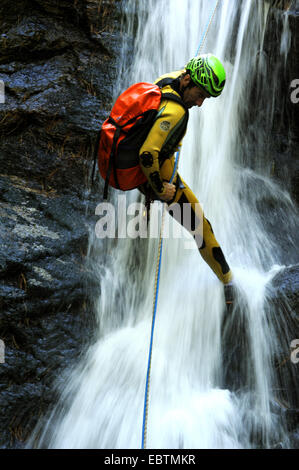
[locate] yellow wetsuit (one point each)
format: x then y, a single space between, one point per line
157 162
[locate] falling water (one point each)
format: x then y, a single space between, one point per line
212 382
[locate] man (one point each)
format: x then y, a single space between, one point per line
204 77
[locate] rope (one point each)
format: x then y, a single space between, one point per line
206 30
158 272
156 292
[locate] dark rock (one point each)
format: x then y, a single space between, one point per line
282 300
286 413
294 439
286 285
279 148
58 67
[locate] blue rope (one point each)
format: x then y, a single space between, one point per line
153 321
206 29
150 349
175 165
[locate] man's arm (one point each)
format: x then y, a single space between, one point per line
171 115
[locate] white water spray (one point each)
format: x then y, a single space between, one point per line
199 396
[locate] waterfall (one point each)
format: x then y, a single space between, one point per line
212 383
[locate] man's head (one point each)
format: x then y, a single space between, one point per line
205 77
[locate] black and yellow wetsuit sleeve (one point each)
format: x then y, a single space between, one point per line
169 119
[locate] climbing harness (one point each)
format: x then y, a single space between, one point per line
158 269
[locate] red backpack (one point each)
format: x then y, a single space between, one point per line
124 131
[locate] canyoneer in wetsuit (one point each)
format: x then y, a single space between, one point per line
203 77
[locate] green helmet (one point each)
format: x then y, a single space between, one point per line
208 73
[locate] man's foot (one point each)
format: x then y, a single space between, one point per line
229 293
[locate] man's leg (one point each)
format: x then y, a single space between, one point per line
201 230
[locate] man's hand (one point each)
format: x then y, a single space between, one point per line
169 192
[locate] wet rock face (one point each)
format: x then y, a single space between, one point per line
58 79
283 148
282 294
58 62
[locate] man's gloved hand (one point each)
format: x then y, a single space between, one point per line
169 192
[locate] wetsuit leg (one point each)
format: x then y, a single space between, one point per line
189 214
192 218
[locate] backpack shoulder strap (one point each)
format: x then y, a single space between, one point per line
173 97
164 82
170 96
